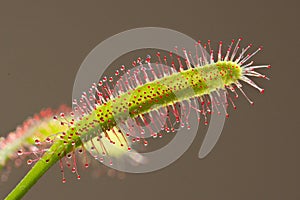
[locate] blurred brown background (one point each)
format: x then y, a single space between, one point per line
258 155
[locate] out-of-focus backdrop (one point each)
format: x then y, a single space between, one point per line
258 155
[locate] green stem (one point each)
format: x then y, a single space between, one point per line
38 170
56 151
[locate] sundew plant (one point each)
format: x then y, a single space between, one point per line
117 111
